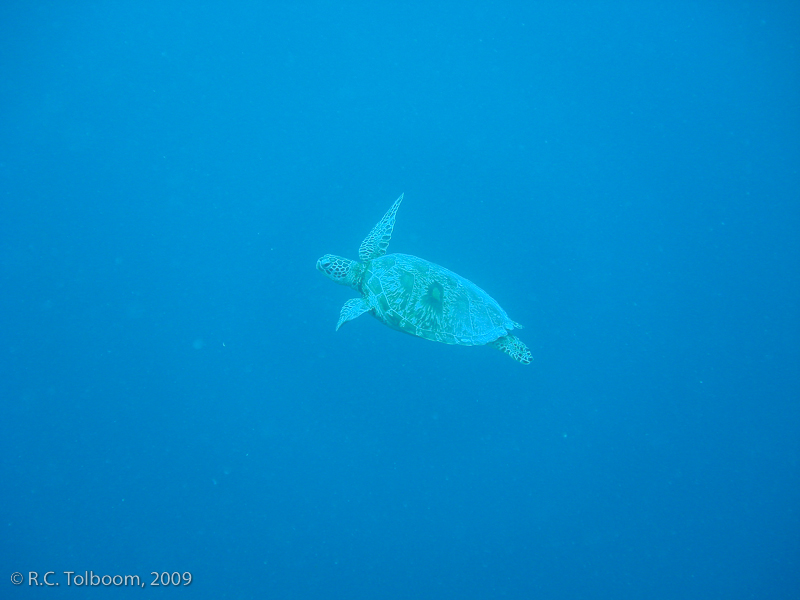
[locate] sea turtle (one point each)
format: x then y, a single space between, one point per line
418 297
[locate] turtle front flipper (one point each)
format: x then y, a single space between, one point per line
376 243
352 309
514 347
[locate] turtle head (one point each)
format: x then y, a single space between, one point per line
341 270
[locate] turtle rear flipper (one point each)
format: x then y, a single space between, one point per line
514 347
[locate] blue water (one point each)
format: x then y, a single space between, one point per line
624 178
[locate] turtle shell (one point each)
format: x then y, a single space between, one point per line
419 297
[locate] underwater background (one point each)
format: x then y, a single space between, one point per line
622 177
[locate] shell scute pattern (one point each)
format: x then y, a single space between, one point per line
418 297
